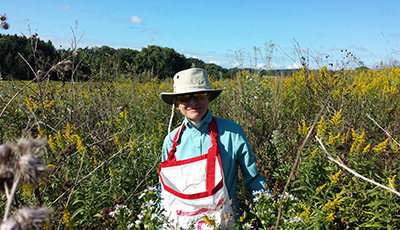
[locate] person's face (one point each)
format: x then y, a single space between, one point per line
194 110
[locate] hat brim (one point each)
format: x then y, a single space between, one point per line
169 97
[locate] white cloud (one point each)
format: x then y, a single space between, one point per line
215 62
235 64
136 19
65 7
295 65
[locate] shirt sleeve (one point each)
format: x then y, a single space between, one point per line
247 161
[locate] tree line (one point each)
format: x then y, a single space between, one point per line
103 62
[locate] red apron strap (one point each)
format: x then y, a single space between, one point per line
212 153
171 155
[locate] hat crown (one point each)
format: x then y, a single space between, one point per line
191 80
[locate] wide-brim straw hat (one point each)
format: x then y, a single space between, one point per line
194 80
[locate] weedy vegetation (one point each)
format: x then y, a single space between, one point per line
98 169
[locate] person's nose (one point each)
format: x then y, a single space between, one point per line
193 101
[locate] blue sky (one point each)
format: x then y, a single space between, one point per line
213 30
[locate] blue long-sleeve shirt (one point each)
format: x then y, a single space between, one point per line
234 150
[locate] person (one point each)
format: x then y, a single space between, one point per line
203 146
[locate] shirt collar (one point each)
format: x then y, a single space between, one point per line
207 119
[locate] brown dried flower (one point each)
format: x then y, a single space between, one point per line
32 218
31 146
5 154
5 25
3 18
6 176
61 66
33 36
75 53
31 169
10 225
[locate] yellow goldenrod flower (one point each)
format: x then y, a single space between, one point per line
381 146
335 178
95 164
331 205
330 217
334 140
27 192
41 132
319 189
359 141
321 128
67 220
210 221
59 140
30 104
68 130
337 119
79 144
367 148
392 185
312 156
52 144
116 140
305 215
47 104
303 129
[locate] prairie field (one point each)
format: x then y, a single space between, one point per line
104 140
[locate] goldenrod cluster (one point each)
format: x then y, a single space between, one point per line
321 128
305 215
67 220
381 146
392 185
303 129
335 178
336 140
331 205
359 141
337 119
319 189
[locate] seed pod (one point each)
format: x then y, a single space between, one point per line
5 154
5 25
10 225
32 218
33 36
32 169
3 18
75 53
31 147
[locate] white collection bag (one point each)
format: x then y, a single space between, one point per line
194 188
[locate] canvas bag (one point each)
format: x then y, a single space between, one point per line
195 187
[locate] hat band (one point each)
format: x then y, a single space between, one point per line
192 88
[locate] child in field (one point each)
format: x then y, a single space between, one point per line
200 159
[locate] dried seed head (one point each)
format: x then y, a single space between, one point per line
33 36
67 68
10 225
6 177
3 18
5 25
32 218
39 72
31 169
5 154
31 146
75 53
